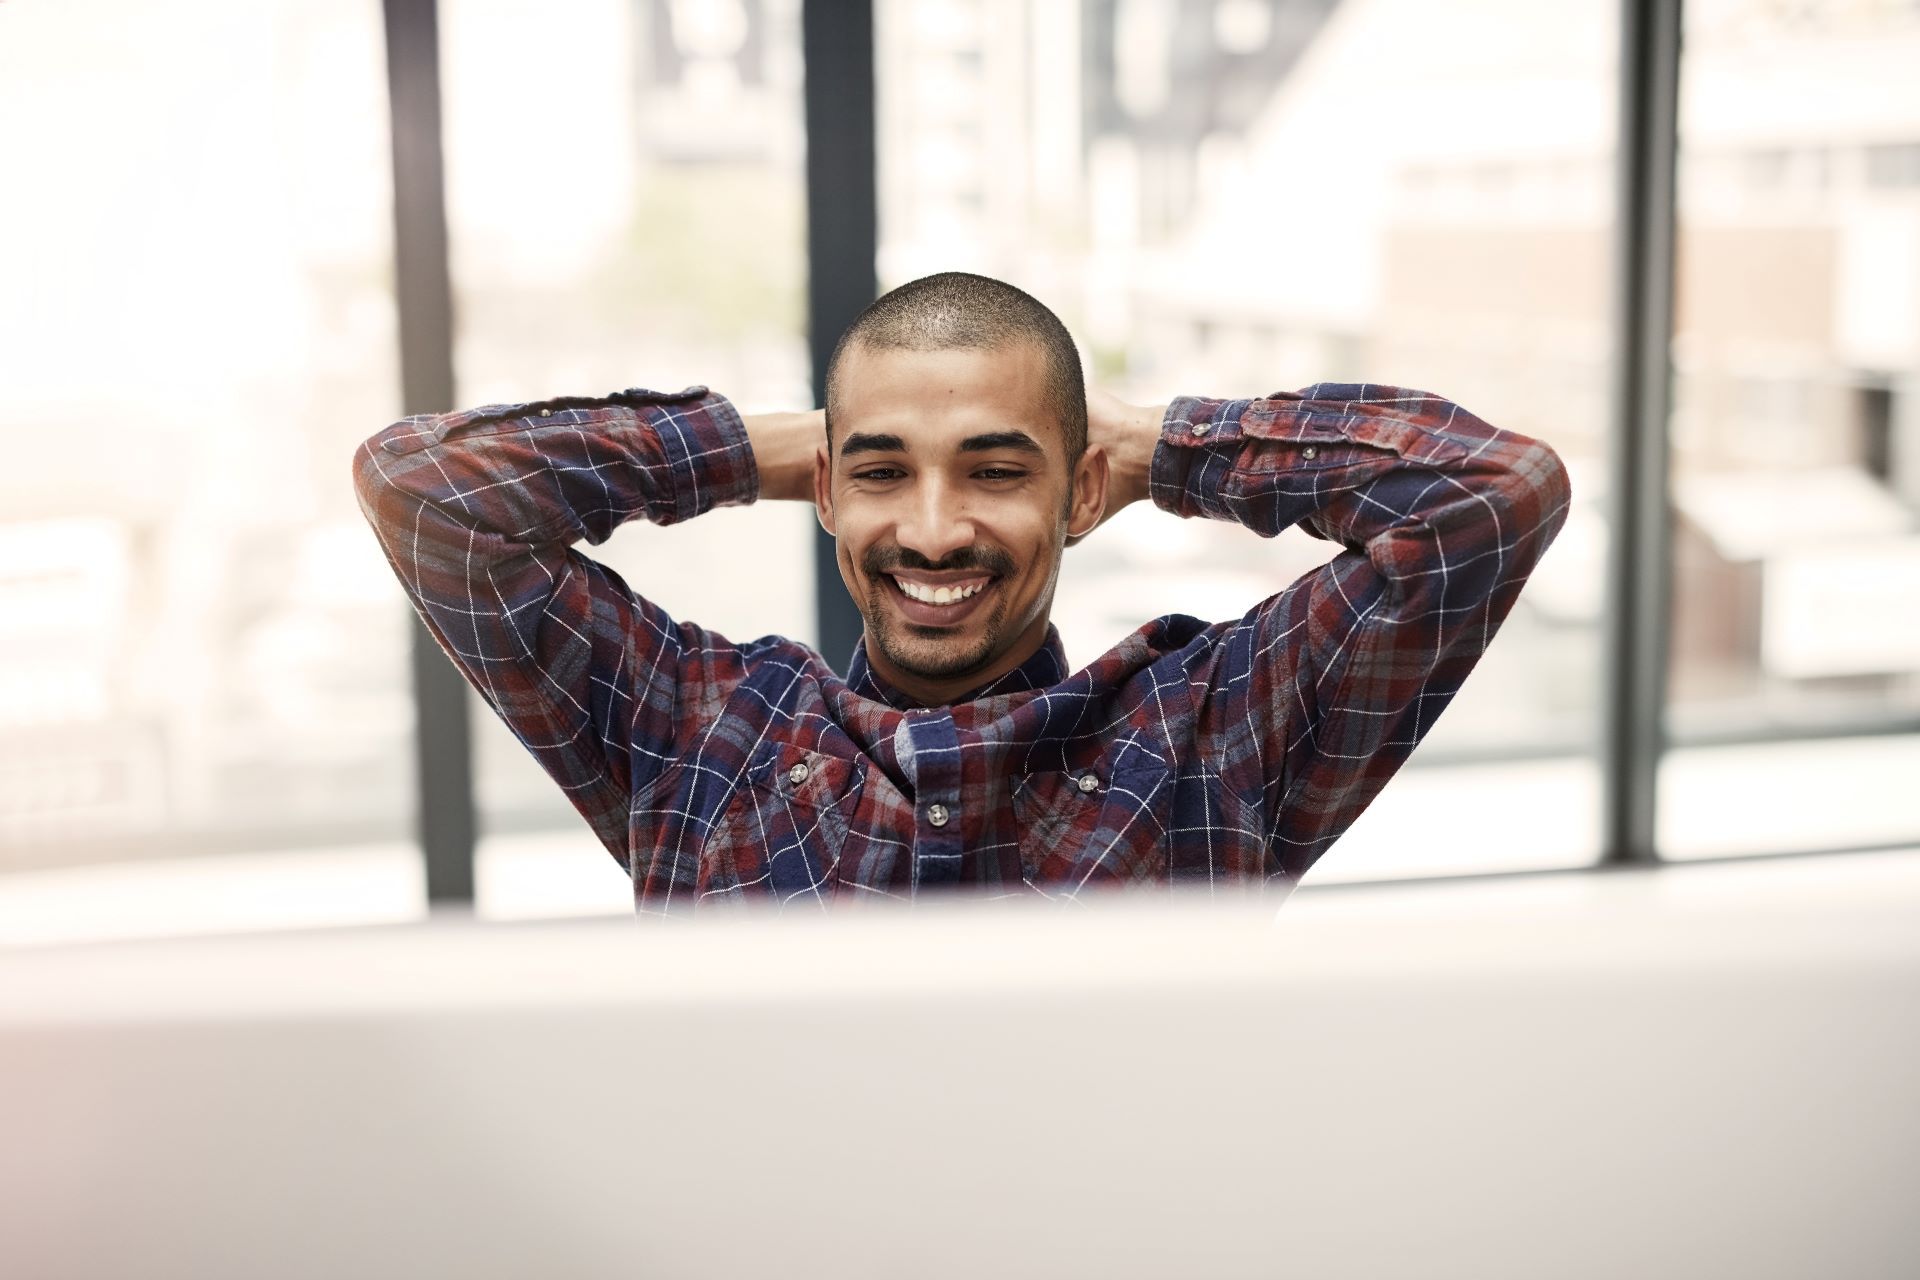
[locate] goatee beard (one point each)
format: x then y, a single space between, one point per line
943 663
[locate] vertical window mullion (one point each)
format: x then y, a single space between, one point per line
842 237
423 291
1637 616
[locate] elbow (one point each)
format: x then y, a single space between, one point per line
1551 485
1536 491
374 481
368 480
1538 498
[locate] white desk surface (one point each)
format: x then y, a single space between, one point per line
1701 1071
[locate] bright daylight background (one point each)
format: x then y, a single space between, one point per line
205 714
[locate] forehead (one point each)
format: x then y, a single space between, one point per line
937 397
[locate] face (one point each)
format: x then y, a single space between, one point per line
950 497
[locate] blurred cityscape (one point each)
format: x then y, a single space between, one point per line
202 649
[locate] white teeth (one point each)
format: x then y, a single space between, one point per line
939 595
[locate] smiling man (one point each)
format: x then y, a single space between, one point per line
959 454
956 470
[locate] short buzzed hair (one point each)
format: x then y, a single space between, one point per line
957 310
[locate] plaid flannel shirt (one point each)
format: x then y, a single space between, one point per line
1228 754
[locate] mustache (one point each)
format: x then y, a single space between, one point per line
879 560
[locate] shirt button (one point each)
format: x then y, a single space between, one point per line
797 774
546 413
937 814
1088 782
1201 428
1309 452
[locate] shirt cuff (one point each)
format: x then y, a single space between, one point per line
1193 461
706 447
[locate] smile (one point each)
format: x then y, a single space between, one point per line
948 593
946 602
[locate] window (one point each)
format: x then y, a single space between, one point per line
1795 654
1187 239
206 717
202 651
637 221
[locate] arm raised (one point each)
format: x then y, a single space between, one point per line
477 512
1319 694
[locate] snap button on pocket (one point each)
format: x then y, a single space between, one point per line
797 774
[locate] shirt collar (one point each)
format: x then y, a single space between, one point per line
1045 668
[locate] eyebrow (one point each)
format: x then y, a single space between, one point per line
866 442
1018 440
863 442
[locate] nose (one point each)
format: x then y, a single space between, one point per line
934 521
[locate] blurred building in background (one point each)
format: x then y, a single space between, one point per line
203 649
1244 197
196 326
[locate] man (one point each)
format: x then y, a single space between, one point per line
958 454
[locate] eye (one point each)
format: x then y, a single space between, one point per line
878 473
999 473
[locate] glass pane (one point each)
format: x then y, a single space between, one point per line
1234 198
1796 431
202 650
637 219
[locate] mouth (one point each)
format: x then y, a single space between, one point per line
939 604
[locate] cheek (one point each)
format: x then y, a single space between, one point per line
860 525
1035 542
847 552
851 570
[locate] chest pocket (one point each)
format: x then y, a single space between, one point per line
1110 830
783 830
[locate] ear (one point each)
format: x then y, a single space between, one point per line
823 490
1088 508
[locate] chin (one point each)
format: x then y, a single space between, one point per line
939 660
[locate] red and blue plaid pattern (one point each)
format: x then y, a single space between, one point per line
1229 754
